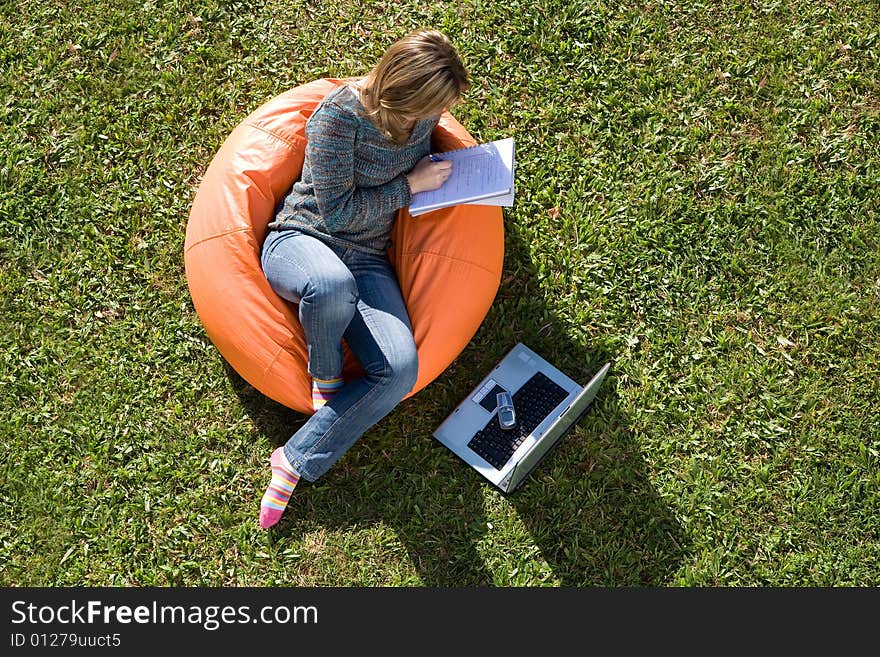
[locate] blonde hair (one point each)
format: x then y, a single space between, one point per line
419 76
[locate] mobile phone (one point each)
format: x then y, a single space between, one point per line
506 412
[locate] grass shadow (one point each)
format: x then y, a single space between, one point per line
392 476
589 506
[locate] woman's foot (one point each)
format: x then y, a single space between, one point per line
324 389
284 480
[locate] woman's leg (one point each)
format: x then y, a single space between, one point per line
380 336
305 271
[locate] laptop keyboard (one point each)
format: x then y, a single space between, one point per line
532 402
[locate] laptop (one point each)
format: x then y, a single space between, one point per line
546 404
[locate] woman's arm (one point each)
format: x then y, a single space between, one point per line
330 149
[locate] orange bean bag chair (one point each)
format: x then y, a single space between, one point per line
448 261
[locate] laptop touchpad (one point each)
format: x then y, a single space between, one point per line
486 395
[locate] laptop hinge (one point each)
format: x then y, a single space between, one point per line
504 484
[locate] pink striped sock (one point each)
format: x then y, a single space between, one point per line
324 389
284 480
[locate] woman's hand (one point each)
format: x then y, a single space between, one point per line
427 175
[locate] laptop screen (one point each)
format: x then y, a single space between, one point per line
559 428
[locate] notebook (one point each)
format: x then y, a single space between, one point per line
546 402
481 175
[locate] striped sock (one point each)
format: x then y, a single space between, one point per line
284 480
324 389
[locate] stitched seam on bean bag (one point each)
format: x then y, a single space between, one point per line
448 257
231 231
270 366
272 133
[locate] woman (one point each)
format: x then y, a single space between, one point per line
368 151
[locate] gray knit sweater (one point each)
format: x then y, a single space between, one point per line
352 181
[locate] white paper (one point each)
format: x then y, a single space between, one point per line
481 174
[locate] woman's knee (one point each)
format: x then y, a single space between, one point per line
402 369
332 286
322 282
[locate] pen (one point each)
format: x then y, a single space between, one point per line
435 158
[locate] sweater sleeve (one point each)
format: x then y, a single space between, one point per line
331 133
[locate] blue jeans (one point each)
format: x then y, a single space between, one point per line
342 293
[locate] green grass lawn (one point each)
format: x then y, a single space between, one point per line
697 202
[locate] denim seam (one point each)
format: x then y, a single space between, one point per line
298 466
354 407
305 273
351 408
